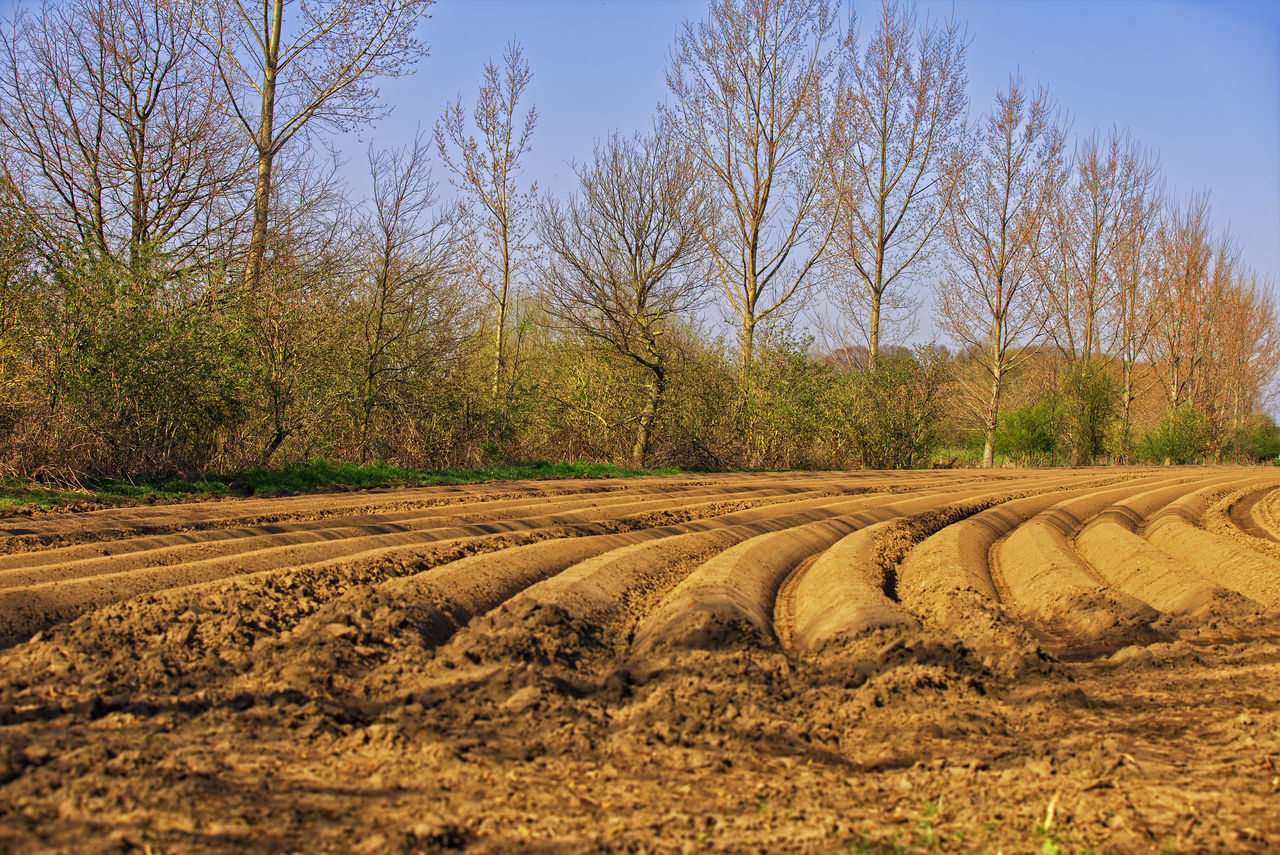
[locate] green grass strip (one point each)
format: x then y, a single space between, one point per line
316 475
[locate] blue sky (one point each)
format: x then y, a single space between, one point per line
1196 80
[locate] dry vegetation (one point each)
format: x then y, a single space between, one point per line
186 286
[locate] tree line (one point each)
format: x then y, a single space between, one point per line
187 283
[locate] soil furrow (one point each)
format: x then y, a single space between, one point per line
186 545
1127 561
1216 558
736 591
265 544
1242 514
1058 597
928 661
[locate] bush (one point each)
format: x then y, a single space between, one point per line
895 410
1030 435
1257 441
1089 404
783 412
1182 436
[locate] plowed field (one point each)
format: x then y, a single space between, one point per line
1014 661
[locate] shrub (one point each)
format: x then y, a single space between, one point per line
1089 405
1182 436
1257 441
1030 435
895 410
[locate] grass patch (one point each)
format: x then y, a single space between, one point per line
313 476
320 474
16 495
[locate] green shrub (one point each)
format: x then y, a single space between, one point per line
1257 441
1089 405
1030 435
1182 436
895 410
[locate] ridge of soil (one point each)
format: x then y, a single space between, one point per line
1019 661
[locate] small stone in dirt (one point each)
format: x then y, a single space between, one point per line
372 843
36 754
523 699
340 630
1042 766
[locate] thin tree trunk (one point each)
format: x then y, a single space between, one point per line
748 341
993 419
366 421
500 343
277 440
1126 413
266 152
499 339
873 340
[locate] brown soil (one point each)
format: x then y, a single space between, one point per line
1017 661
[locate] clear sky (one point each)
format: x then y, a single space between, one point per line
1198 81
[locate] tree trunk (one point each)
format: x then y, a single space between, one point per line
499 345
266 151
366 418
993 419
748 341
644 429
1126 414
500 335
281 434
873 340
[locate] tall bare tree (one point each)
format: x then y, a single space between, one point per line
899 110
288 65
1191 273
748 85
1245 352
1087 228
488 172
295 323
1135 310
116 149
411 315
988 301
626 259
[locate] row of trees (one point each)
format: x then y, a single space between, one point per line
185 282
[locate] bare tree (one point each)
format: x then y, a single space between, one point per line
285 66
626 259
1190 275
295 323
988 301
119 153
1245 353
488 172
1136 310
748 84
899 110
1087 228
411 317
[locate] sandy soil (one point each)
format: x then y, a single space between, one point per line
1018 661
